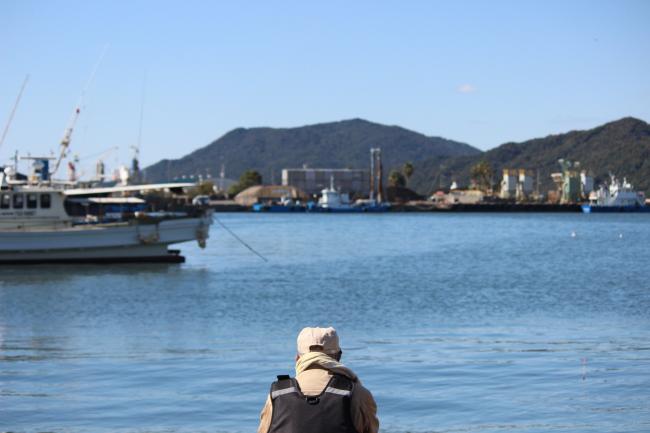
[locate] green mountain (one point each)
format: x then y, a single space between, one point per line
621 147
344 144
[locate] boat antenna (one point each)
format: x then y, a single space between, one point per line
13 110
67 136
135 166
144 86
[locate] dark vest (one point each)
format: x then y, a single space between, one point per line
328 412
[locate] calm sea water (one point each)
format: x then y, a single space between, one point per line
456 323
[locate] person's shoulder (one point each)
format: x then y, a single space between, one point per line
364 409
361 392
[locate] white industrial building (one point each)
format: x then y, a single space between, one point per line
586 183
525 186
314 180
517 184
509 183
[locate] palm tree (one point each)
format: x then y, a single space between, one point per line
395 178
408 170
482 175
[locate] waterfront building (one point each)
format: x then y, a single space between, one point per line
525 185
465 196
509 184
517 184
586 183
314 180
458 196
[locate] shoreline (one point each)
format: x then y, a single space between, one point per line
231 206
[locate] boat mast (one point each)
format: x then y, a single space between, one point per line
13 110
135 164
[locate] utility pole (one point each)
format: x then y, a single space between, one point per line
376 188
380 188
372 173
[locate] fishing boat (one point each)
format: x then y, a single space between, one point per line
332 200
372 205
43 220
40 222
616 197
286 204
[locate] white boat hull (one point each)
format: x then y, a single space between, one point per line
102 242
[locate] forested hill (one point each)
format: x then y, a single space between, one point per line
621 147
344 144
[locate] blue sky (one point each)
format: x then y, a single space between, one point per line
482 72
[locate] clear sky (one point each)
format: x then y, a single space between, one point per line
482 72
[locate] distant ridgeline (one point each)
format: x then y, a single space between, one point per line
344 144
621 147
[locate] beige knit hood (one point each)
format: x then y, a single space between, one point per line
322 360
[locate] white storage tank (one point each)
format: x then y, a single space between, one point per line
509 184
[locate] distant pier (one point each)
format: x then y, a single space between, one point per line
427 206
485 207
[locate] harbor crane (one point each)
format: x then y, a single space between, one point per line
67 135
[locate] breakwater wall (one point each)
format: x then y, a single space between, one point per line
486 207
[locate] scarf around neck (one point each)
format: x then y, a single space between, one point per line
322 360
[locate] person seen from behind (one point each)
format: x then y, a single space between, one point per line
324 397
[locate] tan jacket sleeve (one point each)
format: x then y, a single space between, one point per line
364 410
265 416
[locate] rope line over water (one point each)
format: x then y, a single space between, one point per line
239 239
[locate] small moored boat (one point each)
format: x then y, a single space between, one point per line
616 197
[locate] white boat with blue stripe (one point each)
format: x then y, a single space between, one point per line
616 196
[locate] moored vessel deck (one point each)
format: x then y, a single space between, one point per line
615 197
36 227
